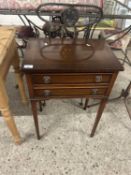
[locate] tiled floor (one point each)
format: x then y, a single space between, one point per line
65 146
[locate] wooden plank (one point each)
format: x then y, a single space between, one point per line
6 37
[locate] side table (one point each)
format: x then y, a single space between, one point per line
56 69
8 57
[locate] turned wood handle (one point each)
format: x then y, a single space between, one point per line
98 78
47 79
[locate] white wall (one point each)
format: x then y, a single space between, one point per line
15 20
128 21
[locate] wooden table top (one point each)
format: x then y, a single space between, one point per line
6 36
56 56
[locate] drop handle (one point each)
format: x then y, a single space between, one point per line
47 93
94 91
98 78
47 79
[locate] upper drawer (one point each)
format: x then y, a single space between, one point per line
71 79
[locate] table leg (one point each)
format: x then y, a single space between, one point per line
35 116
19 77
86 103
4 108
98 116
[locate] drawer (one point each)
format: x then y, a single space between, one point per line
71 79
68 92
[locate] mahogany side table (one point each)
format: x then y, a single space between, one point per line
64 69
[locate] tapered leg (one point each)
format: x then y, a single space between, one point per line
86 103
41 105
4 108
35 116
19 77
81 102
98 116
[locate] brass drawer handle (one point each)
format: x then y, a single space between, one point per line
47 93
47 79
94 91
98 78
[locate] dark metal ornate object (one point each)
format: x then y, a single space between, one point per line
70 17
68 20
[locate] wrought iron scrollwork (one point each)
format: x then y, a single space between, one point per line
78 17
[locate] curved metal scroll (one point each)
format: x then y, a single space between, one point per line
78 17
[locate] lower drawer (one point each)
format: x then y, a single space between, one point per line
68 92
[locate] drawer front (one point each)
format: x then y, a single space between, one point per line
47 93
71 79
